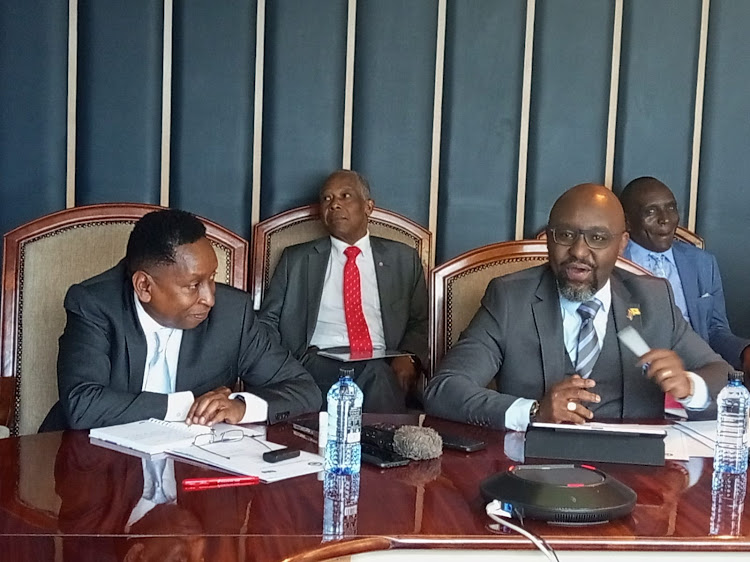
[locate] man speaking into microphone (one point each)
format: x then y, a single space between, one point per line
548 335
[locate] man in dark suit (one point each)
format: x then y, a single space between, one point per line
305 307
155 336
652 217
548 335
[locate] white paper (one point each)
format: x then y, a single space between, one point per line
246 458
155 436
631 339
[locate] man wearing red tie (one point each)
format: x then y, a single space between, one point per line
351 289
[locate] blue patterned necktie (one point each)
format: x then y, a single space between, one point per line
658 265
588 343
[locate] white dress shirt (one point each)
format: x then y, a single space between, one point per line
330 327
517 415
179 403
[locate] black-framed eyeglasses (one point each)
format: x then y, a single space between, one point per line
233 435
595 239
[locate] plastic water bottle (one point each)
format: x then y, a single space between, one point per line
343 451
727 503
341 494
732 404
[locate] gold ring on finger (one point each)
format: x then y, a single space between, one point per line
572 406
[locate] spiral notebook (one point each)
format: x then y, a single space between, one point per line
154 436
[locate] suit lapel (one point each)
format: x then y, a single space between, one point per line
317 262
627 312
386 288
689 278
135 341
548 321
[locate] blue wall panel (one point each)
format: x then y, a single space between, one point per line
119 101
33 98
303 114
394 85
212 110
481 119
723 196
569 101
657 94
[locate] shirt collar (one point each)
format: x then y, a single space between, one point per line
148 324
338 246
604 295
641 254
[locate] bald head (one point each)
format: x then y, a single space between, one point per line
585 234
588 197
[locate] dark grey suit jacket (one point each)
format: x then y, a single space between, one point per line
291 304
516 337
102 358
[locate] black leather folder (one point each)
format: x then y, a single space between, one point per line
595 444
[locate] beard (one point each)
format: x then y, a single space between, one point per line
576 292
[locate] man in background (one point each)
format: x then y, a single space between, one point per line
548 335
355 290
156 337
652 217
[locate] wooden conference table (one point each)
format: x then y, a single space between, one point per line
62 498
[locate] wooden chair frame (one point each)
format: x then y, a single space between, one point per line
13 255
263 231
534 251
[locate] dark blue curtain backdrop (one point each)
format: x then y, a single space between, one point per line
119 109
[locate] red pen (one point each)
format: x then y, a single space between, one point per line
195 484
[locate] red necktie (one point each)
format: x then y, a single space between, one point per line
359 334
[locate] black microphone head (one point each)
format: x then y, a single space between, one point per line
417 443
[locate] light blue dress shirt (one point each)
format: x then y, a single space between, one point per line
641 256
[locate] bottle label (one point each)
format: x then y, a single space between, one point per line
354 425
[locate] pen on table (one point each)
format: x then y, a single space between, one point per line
192 484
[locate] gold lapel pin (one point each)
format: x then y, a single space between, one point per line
633 312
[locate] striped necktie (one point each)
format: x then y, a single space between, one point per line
588 343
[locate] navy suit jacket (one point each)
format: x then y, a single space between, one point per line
704 295
291 304
102 358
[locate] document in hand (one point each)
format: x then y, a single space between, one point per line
154 436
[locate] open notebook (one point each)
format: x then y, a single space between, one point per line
154 436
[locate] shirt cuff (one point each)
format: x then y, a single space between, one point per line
178 405
517 414
700 398
256 409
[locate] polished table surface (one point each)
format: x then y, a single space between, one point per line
62 498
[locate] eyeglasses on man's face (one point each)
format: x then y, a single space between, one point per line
595 238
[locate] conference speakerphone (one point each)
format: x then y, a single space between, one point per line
561 493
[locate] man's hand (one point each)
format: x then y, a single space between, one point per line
666 369
215 406
554 408
405 371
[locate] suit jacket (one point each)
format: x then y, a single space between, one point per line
102 358
291 304
704 295
516 337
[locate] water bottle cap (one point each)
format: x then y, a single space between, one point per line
737 376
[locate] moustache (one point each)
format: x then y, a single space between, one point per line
573 261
